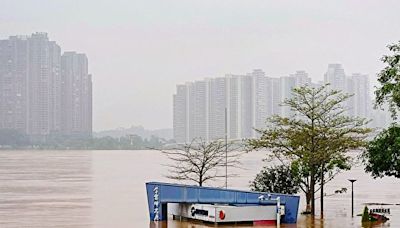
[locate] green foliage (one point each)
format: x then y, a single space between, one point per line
382 157
280 178
317 133
315 138
389 79
365 215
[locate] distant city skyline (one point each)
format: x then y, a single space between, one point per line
139 50
43 92
249 99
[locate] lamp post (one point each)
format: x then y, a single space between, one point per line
352 196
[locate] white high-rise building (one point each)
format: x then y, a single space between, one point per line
336 77
301 78
360 103
199 107
356 85
260 94
197 110
180 121
274 96
218 104
246 108
239 106
286 85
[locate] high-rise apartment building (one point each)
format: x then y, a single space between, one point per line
191 111
217 104
260 95
233 105
300 78
286 85
336 77
199 107
180 121
357 85
76 102
246 107
32 87
14 83
239 106
199 110
274 96
360 102
43 86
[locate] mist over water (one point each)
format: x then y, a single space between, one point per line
106 189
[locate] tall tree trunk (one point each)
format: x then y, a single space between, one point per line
313 170
322 191
308 202
312 190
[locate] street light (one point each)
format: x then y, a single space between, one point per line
352 196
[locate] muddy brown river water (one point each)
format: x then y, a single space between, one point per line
106 189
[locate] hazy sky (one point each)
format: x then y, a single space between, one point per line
139 50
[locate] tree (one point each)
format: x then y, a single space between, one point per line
279 178
314 139
201 161
389 79
383 152
382 157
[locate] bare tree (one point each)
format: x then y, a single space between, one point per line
200 161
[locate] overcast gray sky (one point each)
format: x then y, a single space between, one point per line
139 50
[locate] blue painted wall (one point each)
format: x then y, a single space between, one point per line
159 194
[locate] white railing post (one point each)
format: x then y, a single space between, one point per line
278 214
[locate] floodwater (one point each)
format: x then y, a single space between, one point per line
107 189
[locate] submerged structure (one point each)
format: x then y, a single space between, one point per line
219 205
